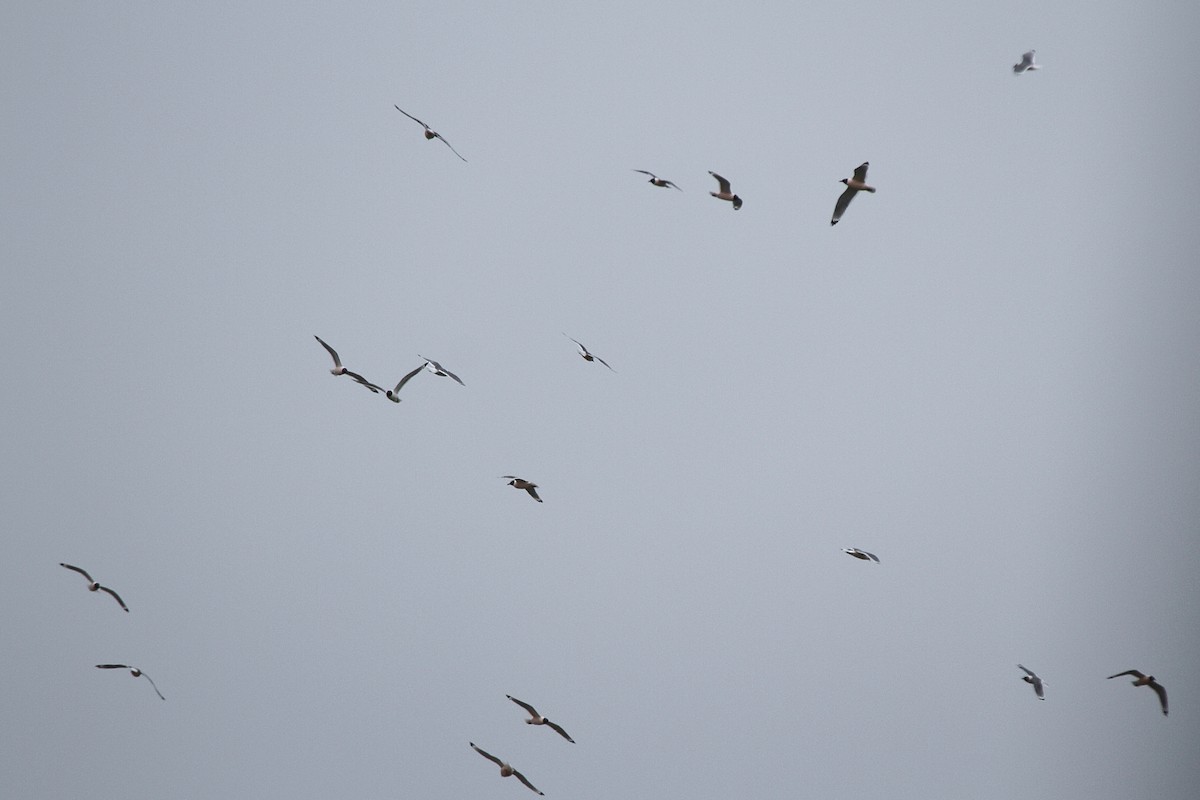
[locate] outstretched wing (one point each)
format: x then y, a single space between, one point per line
602 361
406 379
113 666
116 597
524 705
723 183
671 184
337 362
77 569
360 379
1162 695
1132 672
525 781
451 374
487 755
410 116
443 138
644 172
533 492
152 683
842 203
860 172
554 726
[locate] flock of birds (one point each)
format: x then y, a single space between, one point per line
854 185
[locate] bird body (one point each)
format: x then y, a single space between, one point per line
860 554
657 181
521 483
1146 680
726 192
1034 681
1027 63
853 186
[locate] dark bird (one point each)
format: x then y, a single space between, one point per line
863 554
521 483
1146 680
726 193
853 186
587 356
93 586
657 181
537 719
505 768
430 133
135 672
1034 681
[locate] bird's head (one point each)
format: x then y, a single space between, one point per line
845 181
737 202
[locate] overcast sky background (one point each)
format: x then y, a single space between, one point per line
986 374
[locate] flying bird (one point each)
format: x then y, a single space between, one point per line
521 483
135 672
726 193
93 586
505 768
1146 680
863 554
394 394
1034 681
853 186
1026 64
338 369
438 369
588 356
657 181
538 719
430 133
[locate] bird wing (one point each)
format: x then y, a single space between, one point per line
524 705
116 597
724 183
860 173
410 116
452 375
1027 671
583 350
1037 687
487 755
532 489
337 362
525 781
82 572
1132 672
360 379
602 361
554 726
152 683
113 666
452 150
406 379
644 172
671 184
513 477
1162 695
872 556
842 202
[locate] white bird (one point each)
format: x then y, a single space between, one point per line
863 554
505 768
1034 681
338 369
537 719
657 181
1146 680
853 186
438 369
726 193
521 483
394 394
135 672
429 132
587 356
1026 64
93 586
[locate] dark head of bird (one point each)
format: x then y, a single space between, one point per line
737 202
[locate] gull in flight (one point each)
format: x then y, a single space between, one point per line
1146 680
93 586
863 554
394 394
1033 680
135 672
853 186
657 181
726 193
521 483
505 768
1026 64
586 355
538 719
438 369
429 132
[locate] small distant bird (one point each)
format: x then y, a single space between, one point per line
853 186
863 554
1034 681
438 369
1146 680
93 586
538 719
587 356
1026 64
521 483
338 369
429 132
505 768
135 672
726 193
657 181
394 394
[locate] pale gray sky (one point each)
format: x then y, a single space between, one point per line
986 374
